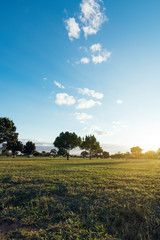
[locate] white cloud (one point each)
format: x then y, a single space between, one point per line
38 142
83 116
92 17
64 99
84 103
85 60
102 57
98 131
119 101
89 31
73 28
91 93
59 85
96 47
45 79
98 55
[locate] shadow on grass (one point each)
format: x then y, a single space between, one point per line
96 163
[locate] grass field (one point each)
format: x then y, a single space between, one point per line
42 198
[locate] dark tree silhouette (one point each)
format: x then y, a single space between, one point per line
90 143
67 141
8 133
29 148
15 147
106 154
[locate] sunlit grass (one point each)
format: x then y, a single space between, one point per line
44 198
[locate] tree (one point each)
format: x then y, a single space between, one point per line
53 152
15 147
67 141
150 155
136 151
29 148
62 152
127 155
117 155
90 143
158 153
99 151
84 154
106 154
8 131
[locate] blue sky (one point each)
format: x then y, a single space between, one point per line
86 66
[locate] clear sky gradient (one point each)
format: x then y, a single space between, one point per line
49 64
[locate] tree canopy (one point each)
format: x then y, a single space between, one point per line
15 147
67 141
136 151
8 131
29 148
106 154
90 143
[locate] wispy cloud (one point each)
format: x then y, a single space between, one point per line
101 57
96 47
92 16
45 78
73 28
91 93
64 99
59 85
83 116
97 54
119 101
98 131
85 104
85 60
38 142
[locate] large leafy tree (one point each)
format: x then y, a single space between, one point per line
8 133
61 152
84 154
29 148
106 154
67 141
90 144
136 151
15 147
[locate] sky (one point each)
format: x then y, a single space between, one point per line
84 66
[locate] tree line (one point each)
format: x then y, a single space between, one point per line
65 142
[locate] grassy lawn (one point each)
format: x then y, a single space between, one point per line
43 198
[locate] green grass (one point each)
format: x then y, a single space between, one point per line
42 198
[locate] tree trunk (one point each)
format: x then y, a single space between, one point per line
90 156
67 156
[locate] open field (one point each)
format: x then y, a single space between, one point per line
42 198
